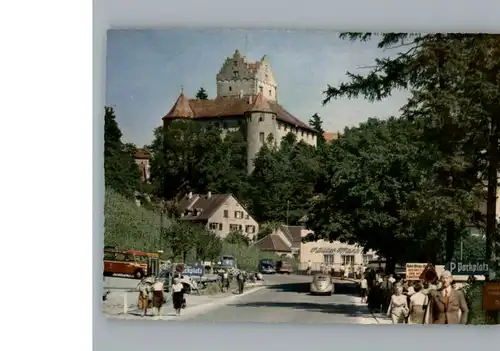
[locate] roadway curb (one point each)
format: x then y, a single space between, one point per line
194 311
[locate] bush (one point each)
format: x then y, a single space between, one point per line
247 257
474 298
211 289
128 226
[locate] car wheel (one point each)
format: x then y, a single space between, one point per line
138 274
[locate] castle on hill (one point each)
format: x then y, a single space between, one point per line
247 96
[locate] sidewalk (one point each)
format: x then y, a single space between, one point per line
371 318
114 308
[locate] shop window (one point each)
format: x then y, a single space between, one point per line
347 260
328 259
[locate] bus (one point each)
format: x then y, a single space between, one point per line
128 262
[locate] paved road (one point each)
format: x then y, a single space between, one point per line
286 299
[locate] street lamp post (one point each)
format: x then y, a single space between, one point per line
461 249
162 209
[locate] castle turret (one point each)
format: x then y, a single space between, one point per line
181 109
261 128
237 74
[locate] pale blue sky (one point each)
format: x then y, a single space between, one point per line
146 69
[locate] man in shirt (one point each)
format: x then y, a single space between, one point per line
364 289
447 303
386 293
241 282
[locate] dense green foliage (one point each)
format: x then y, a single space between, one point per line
120 171
202 94
128 226
453 109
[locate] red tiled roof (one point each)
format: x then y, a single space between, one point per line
142 154
181 108
329 136
231 106
260 104
272 242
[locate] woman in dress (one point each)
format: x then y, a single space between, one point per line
158 298
177 296
398 307
418 305
144 289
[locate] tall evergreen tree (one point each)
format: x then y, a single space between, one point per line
202 94
317 124
120 170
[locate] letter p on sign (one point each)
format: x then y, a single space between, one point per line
453 265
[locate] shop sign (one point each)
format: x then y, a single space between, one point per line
337 250
491 297
414 271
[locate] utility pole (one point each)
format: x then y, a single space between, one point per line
461 249
287 209
160 237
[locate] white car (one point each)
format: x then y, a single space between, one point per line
322 284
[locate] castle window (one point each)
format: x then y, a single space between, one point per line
261 89
230 88
270 93
261 118
267 76
302 134
261 137
236 74
235 63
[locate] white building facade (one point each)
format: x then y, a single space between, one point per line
333 255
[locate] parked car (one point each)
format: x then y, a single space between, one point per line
284 268
267 267
322 284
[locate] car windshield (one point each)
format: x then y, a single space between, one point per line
321 278
164 274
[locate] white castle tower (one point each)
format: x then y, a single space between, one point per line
238 76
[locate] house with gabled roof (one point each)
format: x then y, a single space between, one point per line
221 213
285 240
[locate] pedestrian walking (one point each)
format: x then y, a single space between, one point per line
241 282
398 307
386 289
178 296
363 289
309 267
144 288
447 305
418 306
158 297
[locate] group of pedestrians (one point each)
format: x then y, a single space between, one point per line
412 302
152 295
227 275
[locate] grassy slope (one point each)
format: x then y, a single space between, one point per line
129 226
